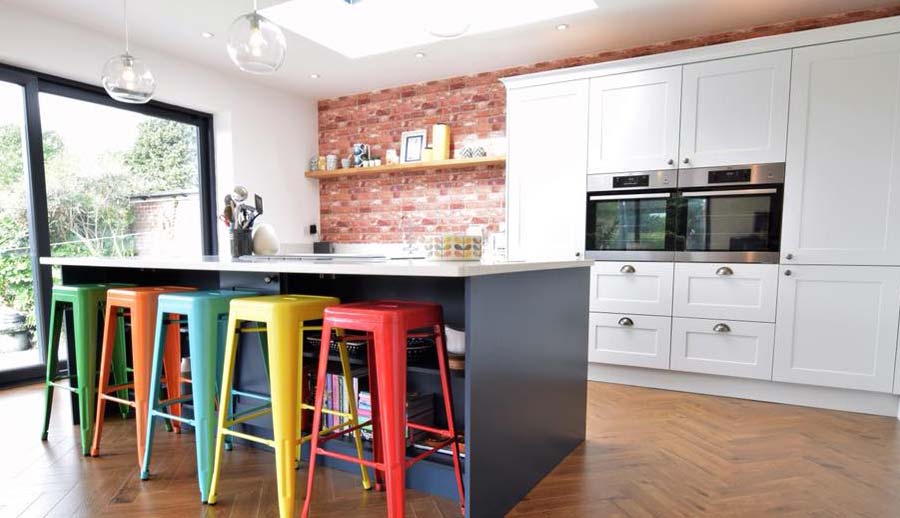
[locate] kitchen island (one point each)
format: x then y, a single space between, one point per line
522 397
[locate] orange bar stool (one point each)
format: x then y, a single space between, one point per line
140 304
388 323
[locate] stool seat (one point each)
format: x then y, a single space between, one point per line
372 314
302 307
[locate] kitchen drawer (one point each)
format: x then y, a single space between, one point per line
725 347
636 340
727 291
632 287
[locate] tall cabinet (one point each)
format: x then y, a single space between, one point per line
842 181
546 170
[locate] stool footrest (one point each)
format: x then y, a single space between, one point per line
429 452
175 401
62 386
348 458
251 395
119 400
178 418
247 415
247 437
430 429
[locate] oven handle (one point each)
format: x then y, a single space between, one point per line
657 196
736 192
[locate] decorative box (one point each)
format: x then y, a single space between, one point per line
453 247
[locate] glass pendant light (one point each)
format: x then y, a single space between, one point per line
126 78
255 44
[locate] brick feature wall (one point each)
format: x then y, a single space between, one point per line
392 208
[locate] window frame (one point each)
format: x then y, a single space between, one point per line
34 83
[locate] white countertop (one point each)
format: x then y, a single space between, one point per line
398 267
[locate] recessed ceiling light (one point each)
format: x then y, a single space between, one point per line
207 35
314 76
420 54
361 29
562 26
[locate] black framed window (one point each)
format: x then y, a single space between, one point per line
86 175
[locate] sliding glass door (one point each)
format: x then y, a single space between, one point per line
81 174
19 348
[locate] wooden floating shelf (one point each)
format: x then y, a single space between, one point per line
457 163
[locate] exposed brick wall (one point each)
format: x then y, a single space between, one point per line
391 208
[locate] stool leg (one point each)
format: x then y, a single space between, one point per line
283 353
300 380
86 365
109 335
390 356
120 366
172 362
317 415
448 408
156 365
224 410
142 335
351 403
220 366
203 331
373 403
52 365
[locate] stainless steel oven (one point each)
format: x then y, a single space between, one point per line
730 214
631 216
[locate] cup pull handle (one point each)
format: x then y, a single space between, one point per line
626 322
724 271
627 269
721 328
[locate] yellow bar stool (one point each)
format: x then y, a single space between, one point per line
285 319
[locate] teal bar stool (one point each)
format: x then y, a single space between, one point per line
203 312
86 302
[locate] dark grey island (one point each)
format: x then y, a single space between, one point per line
522 397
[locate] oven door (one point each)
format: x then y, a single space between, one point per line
634 226
733 225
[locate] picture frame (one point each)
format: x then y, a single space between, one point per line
412 144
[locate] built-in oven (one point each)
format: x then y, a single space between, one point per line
730 214
631 216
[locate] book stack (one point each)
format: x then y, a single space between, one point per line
337 398
419 410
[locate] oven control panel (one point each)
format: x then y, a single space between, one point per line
729 176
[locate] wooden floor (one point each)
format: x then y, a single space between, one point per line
649 453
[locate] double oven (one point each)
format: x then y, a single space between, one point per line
713 214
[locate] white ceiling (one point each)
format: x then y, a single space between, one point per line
175 27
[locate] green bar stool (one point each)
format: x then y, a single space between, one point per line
86 302
203 312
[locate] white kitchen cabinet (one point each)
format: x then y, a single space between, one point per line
733 291
635 340
546 170
634 121
632 287
735 111
842 182
837 326
724 347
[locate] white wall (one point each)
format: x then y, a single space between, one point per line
263 136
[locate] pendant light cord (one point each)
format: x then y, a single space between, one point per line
255 6
125 17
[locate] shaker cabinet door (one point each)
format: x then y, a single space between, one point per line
546 174
634 121
837 326
634 340
842 181
735 111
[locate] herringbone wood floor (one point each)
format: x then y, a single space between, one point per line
649 453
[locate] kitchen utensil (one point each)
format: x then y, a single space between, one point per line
257 200
239 194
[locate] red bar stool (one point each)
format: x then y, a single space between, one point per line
388 324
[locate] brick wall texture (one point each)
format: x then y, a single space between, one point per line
392 208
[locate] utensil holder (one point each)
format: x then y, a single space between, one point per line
241 242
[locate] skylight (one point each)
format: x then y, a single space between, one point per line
370 27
